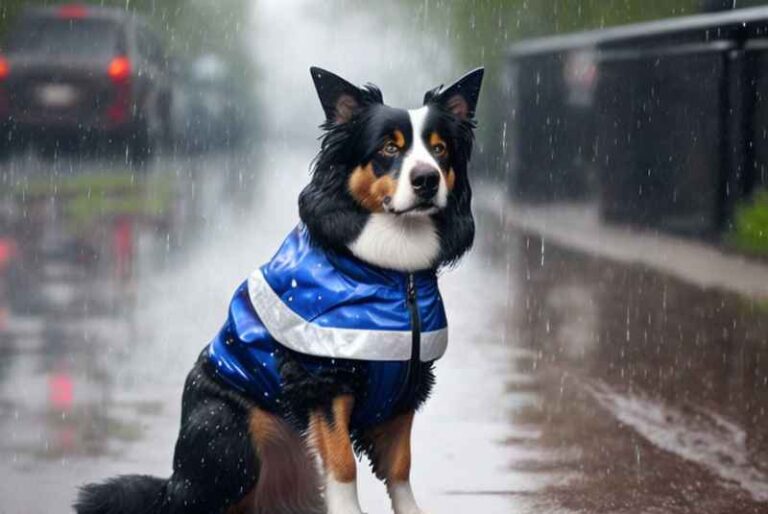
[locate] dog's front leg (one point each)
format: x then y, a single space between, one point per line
329 432
392 461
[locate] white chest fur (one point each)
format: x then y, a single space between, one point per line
405 243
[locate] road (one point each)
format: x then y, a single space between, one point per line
571 384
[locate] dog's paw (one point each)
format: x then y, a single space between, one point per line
344 509
409 509
403 501
341 498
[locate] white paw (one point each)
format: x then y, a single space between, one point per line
403 501
343 509
341 498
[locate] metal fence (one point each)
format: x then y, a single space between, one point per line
665 123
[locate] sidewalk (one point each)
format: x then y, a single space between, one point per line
577 226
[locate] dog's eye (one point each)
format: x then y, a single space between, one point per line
439 149
390 149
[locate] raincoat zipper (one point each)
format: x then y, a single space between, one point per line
412 373
413 307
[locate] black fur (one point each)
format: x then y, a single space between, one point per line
305 391
332 216
126 493
215 465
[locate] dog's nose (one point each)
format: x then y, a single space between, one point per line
425 181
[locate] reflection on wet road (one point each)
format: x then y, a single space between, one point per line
77 392
654 391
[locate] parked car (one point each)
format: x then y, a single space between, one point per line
77 71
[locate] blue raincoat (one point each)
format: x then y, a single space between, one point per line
329 309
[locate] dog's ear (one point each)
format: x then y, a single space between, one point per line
340 99
460 98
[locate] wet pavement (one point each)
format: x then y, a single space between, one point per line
651 391
572 383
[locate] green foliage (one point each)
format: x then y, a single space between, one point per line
750 228
88 199
484 28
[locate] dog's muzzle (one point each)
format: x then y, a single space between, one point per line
425 181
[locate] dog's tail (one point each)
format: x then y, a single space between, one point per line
126 494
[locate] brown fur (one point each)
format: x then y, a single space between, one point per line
399 139
247 505
450 175
331 438
288 481
391 443
370 191
434 138
450 179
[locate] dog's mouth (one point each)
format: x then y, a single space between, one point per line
420 208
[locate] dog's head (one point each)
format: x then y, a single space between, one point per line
391 185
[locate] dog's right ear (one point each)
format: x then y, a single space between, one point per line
460 98
340 99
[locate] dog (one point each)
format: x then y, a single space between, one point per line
328 349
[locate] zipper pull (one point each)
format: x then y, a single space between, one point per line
411 289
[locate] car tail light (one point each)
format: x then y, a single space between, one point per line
73 11
8 252
119 69
5 68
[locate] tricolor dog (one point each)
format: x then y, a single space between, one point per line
328 349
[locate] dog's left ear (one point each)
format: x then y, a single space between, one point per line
460 98
340 99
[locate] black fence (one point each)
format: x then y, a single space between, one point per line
665 123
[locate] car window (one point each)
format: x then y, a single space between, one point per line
67 37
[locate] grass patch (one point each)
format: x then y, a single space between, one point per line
88 199
750 227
